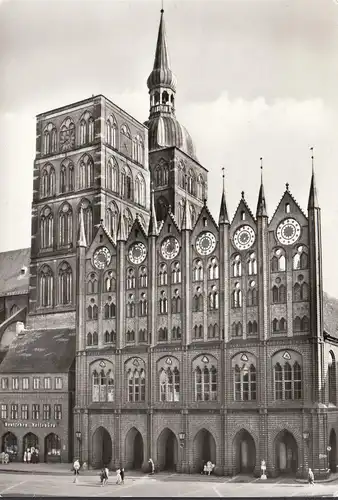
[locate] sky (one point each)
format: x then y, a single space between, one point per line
256 78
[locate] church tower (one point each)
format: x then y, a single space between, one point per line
175 170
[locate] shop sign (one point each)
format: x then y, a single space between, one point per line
29 424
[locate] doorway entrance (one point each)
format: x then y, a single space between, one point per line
286 453
204 449
134 449
167 450
102 448
245 452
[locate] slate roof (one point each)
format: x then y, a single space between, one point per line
12 282
41 351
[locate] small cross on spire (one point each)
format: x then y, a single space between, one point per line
312 158
243 194
287 186
223 177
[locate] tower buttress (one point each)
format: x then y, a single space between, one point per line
224 228
186 259
120 288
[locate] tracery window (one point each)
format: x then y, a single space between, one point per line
161 174
245 382
86 172
130 306
103 386
140 190
130 336
49 139
300 259
198 271
198 300
205 383
252 264
237 267
176 303
279 326
112 175
163 334
136 385
112 216
126 183
213 298
198 331
87 219
200 188
92 310
111 131
252 327
176 333
213 270
46 227
86 128
288 381
67 135
110 309
46 286
47 183
138 152
128 220
143 305
278 262
131 280
65 283
110 282
176 273
301 292
301 324
237 296
66 176
169 385
236 329
191 183
109 337
163 275
142 335
279 294
252 295
213 331
143 277
163 303
65 225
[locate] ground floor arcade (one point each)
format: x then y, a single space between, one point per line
178 443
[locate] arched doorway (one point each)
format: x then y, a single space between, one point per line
10 445
204 449
134 449
102 448
333 452
30 440
167 450
52 448
286 453
245 452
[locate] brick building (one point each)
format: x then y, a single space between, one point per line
196 339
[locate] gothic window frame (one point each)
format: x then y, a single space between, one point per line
169 383
245 381
46 286
205 380
111 131
136 379
65 284
198 270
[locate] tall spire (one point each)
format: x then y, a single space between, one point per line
81 240
261 205
153 230
223 213
313 196
161 81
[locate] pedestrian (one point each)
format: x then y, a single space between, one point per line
118 476
122 474
29 456
76 468
106 474
25 457
102 476
311 477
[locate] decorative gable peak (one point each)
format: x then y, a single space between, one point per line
137 227
243 212
287 207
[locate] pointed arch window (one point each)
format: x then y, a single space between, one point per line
92 283
198 331
67 135
176 303
245 385
130 306
46 227
112 215
131 280
252 328
111 131
198 301
103 387
236 329
110 282
169 385
138 150
126 183
140 191
163 303
161 174
46 286
92 311
109 337
278 262
200 188
87 219
237 296
163 275
44 187
213 269
213 299
198 270
65 225
163 334
176 273
143 277
143 305
86 170
136 385
252 295
279 294
130 336
205 384
213 331
279 325
288 381
252 264
176 333
237 267
110 309
112 175
128 220
65 284
49 139
142 335
300 259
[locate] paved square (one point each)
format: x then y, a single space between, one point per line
174 485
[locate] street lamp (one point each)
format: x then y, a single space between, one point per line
182 438
306 435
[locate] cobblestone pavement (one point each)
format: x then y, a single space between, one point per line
171 485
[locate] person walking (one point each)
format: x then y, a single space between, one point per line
25 456
122 474
118 476
106 474
76 468
29 456
152 465
311 477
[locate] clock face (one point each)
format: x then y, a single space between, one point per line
67 139
288 231
244 237
206 243
170 248
137 253
102 258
